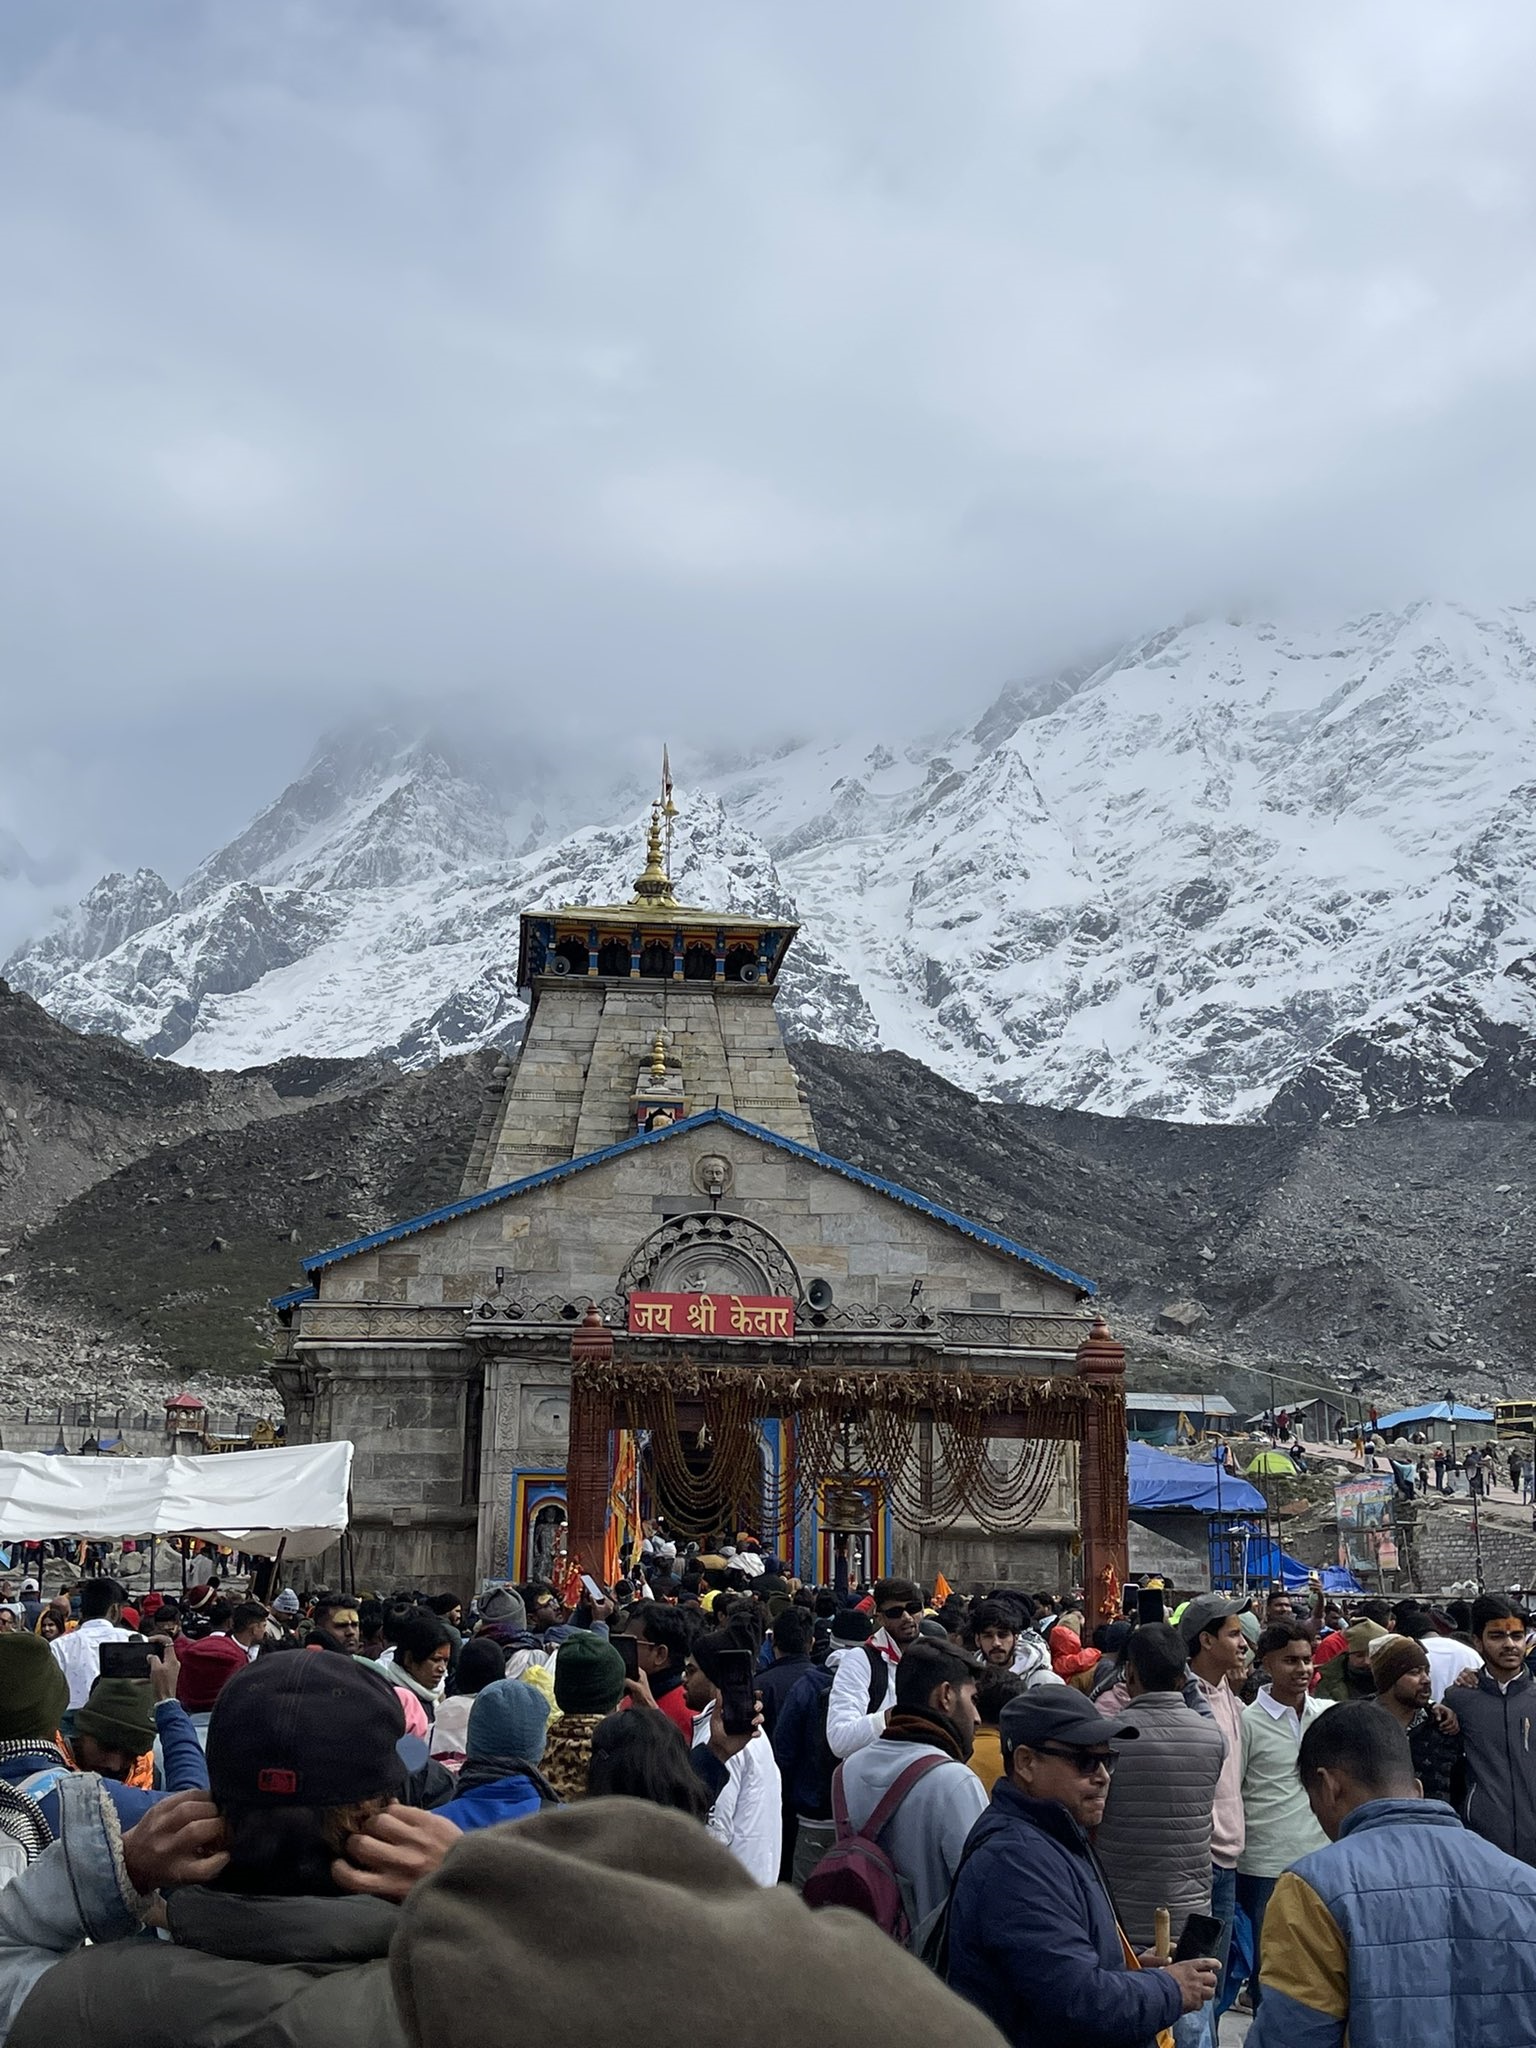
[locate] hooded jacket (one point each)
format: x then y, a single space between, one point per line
1033 1939
1497 1731
1407 1928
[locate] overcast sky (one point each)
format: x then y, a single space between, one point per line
753 368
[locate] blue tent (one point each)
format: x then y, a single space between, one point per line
1434 1411
1267 1562
1161 1481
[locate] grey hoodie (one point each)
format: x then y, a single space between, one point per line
928 1832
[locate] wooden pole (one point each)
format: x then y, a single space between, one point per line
588 1470
1103 1481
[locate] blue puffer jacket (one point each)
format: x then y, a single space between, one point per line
1408 1928
1033 1940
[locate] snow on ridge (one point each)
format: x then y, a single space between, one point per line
1169 883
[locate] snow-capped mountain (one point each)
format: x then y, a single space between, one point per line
1233 871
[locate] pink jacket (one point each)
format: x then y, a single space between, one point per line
1227 1825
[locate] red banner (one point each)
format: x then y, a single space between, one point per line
711 1315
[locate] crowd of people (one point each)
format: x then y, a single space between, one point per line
320 1817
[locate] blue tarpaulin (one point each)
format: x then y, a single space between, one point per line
1267 1562
1161 1481
1435 1411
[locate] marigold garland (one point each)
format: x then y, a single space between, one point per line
921 1436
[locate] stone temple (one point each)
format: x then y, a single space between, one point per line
657 1294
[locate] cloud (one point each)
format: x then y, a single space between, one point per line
733 367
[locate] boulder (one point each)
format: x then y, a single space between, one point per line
1180 1318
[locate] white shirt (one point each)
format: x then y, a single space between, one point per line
1278 1711
748 1814
1447 1661
79 1656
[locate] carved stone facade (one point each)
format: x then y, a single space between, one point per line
441 1347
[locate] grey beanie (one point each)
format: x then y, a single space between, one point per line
504 1605
509 1718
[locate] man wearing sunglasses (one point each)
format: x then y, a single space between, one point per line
1033 1938
1498 1726
864 1688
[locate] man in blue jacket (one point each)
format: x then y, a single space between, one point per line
1033 1938
1407 1927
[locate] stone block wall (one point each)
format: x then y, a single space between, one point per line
571 1241
572 1088
410 1411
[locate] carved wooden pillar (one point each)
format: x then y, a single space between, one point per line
588 1469
1103 1482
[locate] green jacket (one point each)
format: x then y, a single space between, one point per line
1334 1683
309 1973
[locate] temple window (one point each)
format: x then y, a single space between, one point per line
656 960
699 962
741 963
574 953
613 957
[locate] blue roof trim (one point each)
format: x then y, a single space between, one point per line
468 1205
293 1297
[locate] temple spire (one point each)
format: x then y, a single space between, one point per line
668 808
653 885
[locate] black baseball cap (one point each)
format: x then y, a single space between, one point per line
1060 1713
311 1728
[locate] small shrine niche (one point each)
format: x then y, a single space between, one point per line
658 1099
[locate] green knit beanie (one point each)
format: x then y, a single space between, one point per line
34 1693
589 1675
119 1713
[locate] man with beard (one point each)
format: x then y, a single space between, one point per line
997 1635
1405 1689
934 1716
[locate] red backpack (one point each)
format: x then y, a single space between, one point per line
856 1872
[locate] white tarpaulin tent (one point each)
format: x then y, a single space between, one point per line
255 1500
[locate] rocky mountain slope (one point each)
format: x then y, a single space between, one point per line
1232 874
1397 1257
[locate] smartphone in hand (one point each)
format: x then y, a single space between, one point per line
738 1691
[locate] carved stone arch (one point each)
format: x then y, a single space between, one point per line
710 1253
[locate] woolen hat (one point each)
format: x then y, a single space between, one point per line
1361 1634
505 1900
34 1693
509 1718
1059 1713
506 1605
207 1666
1393 1657
589 1675
850 1626
315 1730
287 1602
120 1713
